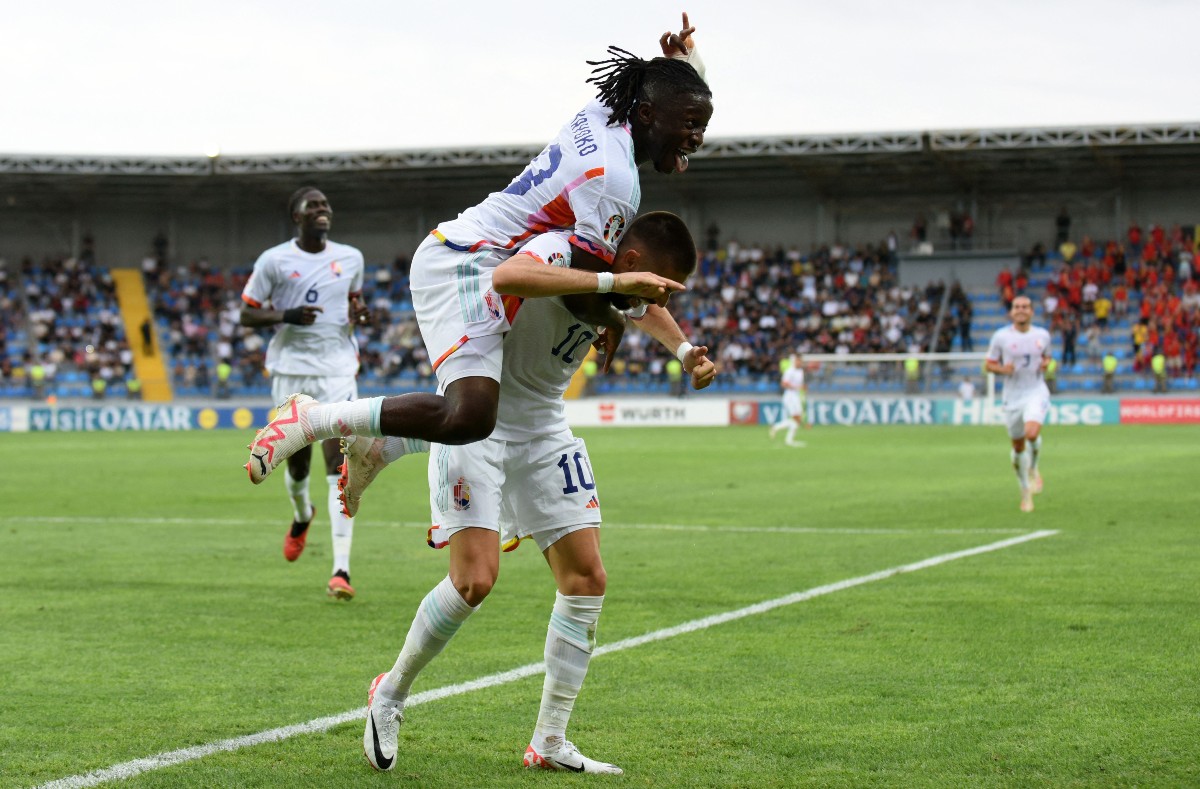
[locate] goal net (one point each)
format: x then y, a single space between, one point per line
899 374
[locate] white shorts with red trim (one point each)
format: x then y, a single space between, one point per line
456 306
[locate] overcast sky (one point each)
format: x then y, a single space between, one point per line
262 76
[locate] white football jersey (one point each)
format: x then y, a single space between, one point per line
1025 350
794 376
542 351
284 277
584 181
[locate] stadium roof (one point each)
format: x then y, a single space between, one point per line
881 164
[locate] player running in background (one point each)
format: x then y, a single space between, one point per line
585 181
1020 352
795 396
531 478
313 288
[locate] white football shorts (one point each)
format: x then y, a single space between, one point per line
456 308
1016 415
793 404
542 488
326 389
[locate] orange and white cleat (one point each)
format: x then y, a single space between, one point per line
1026 501
566 757
294 546
340 588
1035 482
363 462
283 436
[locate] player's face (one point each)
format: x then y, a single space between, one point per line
674 129
1021 312
313 213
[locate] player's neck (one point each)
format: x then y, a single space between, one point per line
311 244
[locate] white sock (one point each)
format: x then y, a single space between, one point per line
438 618
1035 447
791 434
297 490
1020 462
334 420
570 640
343 528
395 447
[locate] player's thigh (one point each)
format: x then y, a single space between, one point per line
1034 412
1014 421
791 404
575 561
550 489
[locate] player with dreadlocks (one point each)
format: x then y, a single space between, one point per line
586 181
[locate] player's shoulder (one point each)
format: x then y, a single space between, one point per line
278 252
343 250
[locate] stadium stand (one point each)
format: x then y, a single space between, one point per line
752 304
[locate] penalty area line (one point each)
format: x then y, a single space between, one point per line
127 770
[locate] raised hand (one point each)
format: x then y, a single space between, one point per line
680 43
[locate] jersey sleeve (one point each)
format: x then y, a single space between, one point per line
356 284
600 216
995 348
261 283
553 249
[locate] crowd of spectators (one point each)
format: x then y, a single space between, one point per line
63 312
1148 279
752 304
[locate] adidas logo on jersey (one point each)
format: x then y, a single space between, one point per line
592 504
294 275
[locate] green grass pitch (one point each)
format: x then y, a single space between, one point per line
145 608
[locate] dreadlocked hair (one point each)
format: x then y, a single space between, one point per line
625 79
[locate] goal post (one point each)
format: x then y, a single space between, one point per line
935 374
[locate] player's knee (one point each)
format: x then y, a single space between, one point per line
470 415
475 586
591 582
468 426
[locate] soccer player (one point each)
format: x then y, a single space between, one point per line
585 181
531 478
1021 352
795 395
313 287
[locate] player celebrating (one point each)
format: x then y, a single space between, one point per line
313 286
585 181
549 494
795 393
1021 351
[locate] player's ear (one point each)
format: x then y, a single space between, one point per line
627 259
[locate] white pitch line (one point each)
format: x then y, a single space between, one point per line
67 519
130 769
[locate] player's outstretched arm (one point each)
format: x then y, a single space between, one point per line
661 325
526 276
